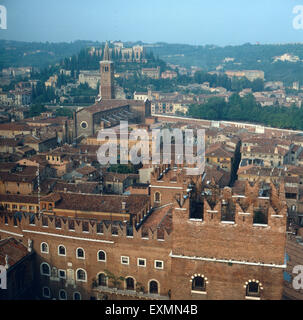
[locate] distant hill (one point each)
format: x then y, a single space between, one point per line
208 57
37 54
247 56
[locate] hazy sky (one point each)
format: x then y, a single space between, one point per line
198 22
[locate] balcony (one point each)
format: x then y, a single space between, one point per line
129 293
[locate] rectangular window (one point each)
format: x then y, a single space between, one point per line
62 274
141 262
159 264
124 260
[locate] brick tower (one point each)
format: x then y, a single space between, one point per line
107 76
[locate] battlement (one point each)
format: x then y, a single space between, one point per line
21 224
250 227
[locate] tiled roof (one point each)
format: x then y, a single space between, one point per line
10 142
7 167
261 171
87 187
19 177
14 249
101 203
13 126
160 218
17 198
112 176
86 170
105 105
218 151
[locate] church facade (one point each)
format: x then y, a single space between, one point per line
108 111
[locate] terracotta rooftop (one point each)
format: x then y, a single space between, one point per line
105 105
13 126
159 219
220 176
17 198
87 187
112 176
101 203
86 170
268 149
10 142
28 174
261 171
218 151
14 249
7 167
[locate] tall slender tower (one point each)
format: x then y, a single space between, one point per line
107 76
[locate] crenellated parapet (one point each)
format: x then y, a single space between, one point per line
233 226
80 228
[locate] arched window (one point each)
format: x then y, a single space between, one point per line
102 280
153 287
81 275
77 296
130 283
46 292
61 250
158 197
101 256
45 269
62 295
253 288
80 253
199 283
44 247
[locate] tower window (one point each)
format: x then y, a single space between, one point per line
158 197
199 284
253 289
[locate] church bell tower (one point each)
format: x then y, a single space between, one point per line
107 76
